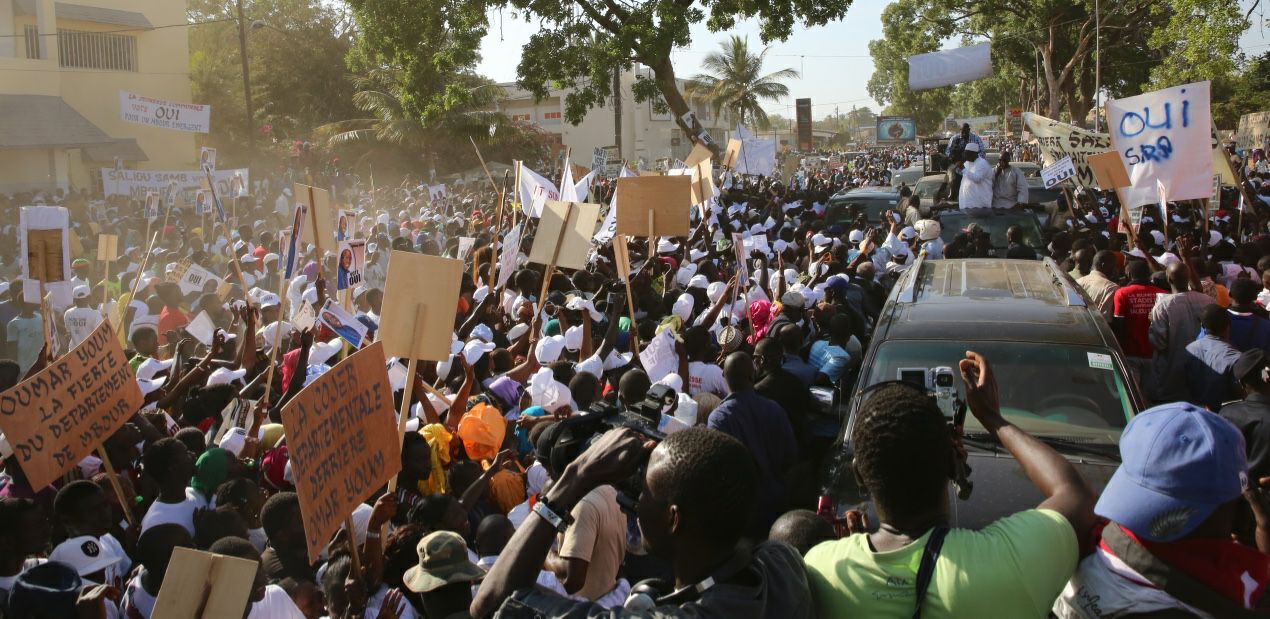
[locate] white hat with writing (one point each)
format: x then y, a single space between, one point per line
84 553
150 386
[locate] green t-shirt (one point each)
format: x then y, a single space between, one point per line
1014 567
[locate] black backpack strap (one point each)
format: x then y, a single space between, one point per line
926 571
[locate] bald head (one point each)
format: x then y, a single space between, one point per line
1105 263
738 370
1179 277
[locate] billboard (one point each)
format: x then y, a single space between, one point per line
802 110
896 129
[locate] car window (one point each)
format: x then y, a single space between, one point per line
996 224
1062 391
927 189
841 210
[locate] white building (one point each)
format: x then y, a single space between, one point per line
646 134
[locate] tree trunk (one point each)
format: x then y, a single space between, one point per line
664 74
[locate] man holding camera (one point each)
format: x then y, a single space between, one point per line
905 456
697 490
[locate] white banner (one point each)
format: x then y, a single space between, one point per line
1059 139
948 67
535 190
1165 136
608 228
141 110
1059 172
758 155
136 183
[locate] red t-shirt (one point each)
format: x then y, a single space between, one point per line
1133 303
171 319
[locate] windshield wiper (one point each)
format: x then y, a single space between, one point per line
1111 452
986 442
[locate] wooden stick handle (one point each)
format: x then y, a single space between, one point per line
124 502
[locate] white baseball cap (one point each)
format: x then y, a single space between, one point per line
225 376
85 553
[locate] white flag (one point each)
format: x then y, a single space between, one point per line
609 227
535 191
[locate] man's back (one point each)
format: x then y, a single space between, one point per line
1208 378
1133 303
1015 568
765 430
597 536
1248 331
1252 416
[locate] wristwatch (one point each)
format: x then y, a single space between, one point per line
553 517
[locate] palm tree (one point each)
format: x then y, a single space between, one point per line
736 82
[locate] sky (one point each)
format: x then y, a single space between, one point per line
833 60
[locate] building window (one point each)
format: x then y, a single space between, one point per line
551 116
96 50
31 34
520 117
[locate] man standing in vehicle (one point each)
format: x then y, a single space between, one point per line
976 180
1008 185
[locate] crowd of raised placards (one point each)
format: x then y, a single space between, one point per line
616 398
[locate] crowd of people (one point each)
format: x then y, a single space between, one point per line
584 454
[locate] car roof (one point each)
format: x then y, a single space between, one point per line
868 192
991 299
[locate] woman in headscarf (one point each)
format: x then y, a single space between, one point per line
760 317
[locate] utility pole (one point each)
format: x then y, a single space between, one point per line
242 53
617 110
1097 65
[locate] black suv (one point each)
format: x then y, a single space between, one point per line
870 202
1059 370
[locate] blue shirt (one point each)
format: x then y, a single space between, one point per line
829 359
764 428
1208 377
805 372
1248 331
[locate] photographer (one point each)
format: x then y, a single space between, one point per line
698 488
906 456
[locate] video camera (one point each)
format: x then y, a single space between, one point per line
566 440
940 381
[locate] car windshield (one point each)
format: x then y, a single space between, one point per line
843 209
995 223
1066 392
927 189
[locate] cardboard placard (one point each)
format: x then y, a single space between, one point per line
342 440
669 198
44 255
320 216
730 155
699 153
107 247
216 585
576 242
702 182
415 279
465 246
346 225
1108 169
57 417
621 257
202 328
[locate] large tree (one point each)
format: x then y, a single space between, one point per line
429 37
296 51
1054 41
735 82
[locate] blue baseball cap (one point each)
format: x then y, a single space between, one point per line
1179 463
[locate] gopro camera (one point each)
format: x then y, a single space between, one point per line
939 381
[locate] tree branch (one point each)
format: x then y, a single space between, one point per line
598 17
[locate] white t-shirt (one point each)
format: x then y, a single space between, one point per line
136 602
706 378
177 513
80 322
275 605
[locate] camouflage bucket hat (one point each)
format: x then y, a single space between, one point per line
442 561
